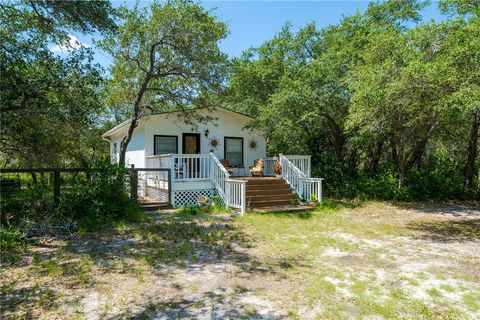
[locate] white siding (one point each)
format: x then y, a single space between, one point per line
135 151
228 124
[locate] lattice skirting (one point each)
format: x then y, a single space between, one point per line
181 198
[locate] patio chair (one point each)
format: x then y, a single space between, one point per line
257 168
229 168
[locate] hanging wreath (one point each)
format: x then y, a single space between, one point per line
252 144
214 143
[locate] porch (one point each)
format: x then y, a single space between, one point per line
192 175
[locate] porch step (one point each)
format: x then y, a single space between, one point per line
268 192
267 181
270 203
283 208
154 206
268 197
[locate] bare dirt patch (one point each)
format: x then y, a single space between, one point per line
377 260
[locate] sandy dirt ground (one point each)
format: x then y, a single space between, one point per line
218 267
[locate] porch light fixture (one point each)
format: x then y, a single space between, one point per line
206 133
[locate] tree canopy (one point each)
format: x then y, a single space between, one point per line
49 103
166 57
386 104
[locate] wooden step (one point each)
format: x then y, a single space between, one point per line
271 203
272 187
268 191
271 197
284 208
266 182
154 206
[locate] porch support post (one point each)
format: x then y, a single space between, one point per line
309 169
243 198
133 183
319 192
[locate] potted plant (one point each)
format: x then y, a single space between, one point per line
313 200
277 168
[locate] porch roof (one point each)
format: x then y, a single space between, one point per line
123 125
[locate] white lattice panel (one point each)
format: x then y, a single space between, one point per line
181 198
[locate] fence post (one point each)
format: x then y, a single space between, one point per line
56 187
320 192
170 200
134 183
243 197
309 164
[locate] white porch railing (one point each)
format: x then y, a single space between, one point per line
303 185
232 191
185 167
303 163
268 165
296 171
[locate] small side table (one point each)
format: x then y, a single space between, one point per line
240 172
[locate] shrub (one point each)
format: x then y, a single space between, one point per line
101 200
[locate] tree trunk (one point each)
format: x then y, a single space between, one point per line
472 150
336 136
394 150
420 147
374 164
418 152
400 156
133 124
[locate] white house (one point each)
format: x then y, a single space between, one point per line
210 158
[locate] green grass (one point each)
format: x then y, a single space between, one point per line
341 261
338 241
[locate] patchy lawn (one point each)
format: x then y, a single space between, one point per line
374 260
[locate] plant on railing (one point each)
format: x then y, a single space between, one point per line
313 200
277 168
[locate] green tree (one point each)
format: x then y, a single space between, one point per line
166 57
380 98
49 103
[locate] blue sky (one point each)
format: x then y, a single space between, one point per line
253 22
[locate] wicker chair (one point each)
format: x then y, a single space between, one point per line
257 168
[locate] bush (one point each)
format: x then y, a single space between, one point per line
32 203
101 200
11 238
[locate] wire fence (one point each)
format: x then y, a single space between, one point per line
143 184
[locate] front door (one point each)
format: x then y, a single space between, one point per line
191 145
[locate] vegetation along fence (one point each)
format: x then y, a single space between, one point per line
143 184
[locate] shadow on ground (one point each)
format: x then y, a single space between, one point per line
448 230
457 210
213 306
162 242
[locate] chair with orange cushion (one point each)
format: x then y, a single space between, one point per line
257 168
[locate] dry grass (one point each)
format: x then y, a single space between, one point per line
372 260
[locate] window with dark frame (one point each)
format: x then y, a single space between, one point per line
165 144
234 151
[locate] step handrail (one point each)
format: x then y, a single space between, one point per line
231 191
304 186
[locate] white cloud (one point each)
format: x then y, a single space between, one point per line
68 45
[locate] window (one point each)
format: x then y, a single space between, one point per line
115 148
234 151
165 144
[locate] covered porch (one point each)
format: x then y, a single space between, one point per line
193 175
